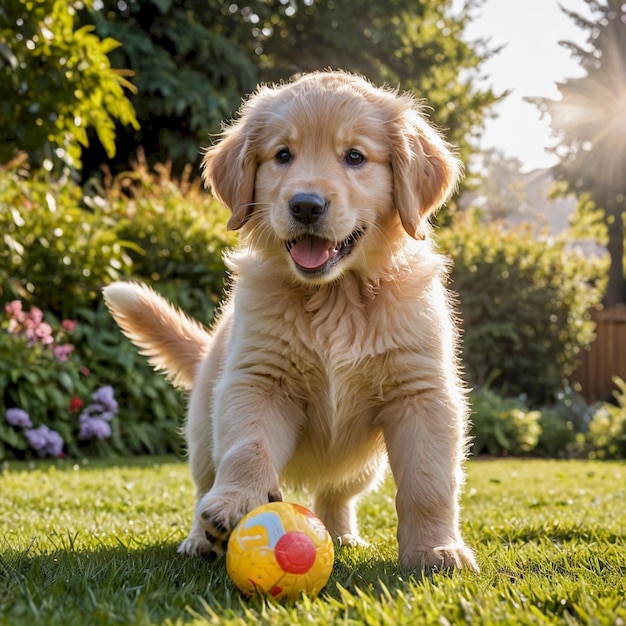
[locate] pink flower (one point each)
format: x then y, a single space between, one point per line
62 352
69 325
36 315
14 310
43 332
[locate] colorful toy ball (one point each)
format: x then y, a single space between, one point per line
280 549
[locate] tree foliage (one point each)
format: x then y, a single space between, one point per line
589 123
416 45
193 60
189 73
56 83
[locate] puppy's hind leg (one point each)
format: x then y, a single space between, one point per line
203 474
425 442
199 437
336 507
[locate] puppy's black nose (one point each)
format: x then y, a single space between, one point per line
307 208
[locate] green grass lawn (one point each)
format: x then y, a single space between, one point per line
95 543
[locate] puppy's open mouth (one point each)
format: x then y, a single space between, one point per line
314 256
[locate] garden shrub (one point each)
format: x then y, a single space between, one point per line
606 436
563 423
151 409
44 386
178 234
525 304
558 437
61 248
56 254
502 426
76 388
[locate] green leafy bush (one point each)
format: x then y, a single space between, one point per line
151 411
502 426
61 248
56 82
52 403
174 234
558 438
606 437
43 384
63 245
56 253
563 423
525 305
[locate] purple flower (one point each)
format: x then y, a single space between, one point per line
93 427
97 410
18 417
105 402
45 441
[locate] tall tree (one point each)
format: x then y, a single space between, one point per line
589 123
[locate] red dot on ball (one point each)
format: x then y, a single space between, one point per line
295 553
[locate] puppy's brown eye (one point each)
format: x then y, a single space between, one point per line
354 157
283 156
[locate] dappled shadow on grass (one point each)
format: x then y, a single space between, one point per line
99 584
363 573
121 584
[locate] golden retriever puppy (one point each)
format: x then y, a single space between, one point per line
336 350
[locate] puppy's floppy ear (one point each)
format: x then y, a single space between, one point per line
229 167
425 171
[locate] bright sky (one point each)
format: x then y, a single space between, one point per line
530 65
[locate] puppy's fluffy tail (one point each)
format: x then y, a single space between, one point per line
173 342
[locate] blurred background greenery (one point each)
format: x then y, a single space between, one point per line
105 107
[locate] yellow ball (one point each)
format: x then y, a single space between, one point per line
280 549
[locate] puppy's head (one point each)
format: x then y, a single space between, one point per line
328 170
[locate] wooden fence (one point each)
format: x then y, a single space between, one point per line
606 357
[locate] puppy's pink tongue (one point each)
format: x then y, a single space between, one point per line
312 252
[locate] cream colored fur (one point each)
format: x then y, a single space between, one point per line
316 379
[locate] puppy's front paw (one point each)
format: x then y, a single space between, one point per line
447 557
220 510
196 544
353 541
